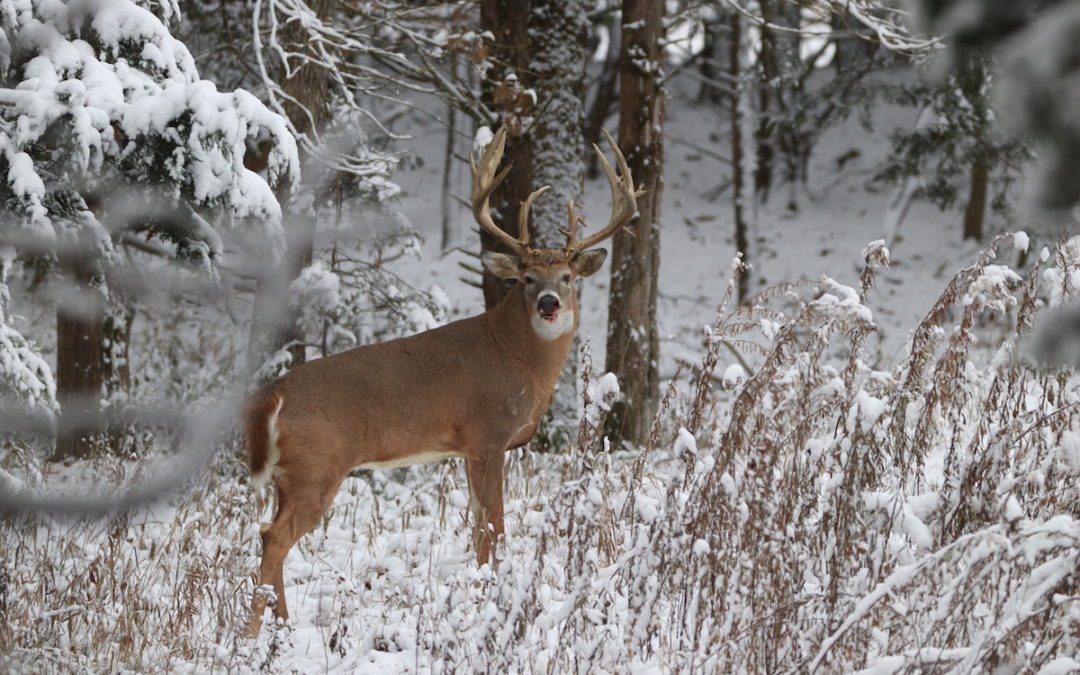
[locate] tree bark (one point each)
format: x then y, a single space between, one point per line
603 101
776 133
975 213
766 122
80 364
633 344
446 201
503 91
742 240
709 62
972 80
558 31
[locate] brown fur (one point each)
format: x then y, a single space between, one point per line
473 388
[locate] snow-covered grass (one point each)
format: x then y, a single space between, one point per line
813 513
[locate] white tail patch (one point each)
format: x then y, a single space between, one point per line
274 452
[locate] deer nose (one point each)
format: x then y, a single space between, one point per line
547 304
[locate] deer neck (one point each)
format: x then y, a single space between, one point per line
527 340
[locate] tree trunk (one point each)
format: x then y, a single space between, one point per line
972 80
788 97
307 97
446 202
558 31
766 122
504 91
603 102
776 133
975 213
709 62
633 343
80 364
558 55
742 241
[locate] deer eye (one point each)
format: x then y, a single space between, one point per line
530 279
566 278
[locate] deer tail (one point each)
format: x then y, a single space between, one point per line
262 436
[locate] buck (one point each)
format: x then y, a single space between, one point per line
474 388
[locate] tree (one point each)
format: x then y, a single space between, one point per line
633 341
558 31
1035 43
506 91
738 168
604 99
959 148
107 134
25 379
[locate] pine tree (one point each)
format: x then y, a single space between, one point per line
108 133
960 150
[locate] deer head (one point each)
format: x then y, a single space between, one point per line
547 276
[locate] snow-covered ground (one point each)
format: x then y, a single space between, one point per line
796 529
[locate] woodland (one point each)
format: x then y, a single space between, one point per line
821 411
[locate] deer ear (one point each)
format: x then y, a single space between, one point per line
502 265
588 263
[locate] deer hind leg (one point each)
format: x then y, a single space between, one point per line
485 475
300 506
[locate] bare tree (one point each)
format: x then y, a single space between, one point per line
973 80
604 99
505 92
742 240
633 342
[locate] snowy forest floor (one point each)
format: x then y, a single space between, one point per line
827 542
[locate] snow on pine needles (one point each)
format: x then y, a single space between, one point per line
809 512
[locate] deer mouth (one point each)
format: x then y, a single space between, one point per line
548 306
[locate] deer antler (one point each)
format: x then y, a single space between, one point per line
485 180
623 196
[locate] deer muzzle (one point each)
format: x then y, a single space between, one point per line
548 305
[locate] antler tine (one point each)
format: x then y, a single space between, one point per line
573 219
523 215
485 180
623 196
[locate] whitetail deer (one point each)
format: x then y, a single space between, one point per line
473 388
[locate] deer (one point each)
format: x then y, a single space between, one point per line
473 389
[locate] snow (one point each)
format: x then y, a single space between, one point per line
733 375
994 288
385 583
316 294
483 137
1021 241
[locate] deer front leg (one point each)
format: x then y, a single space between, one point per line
485 474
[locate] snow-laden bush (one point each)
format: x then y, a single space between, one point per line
825 515
106 128
356 298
